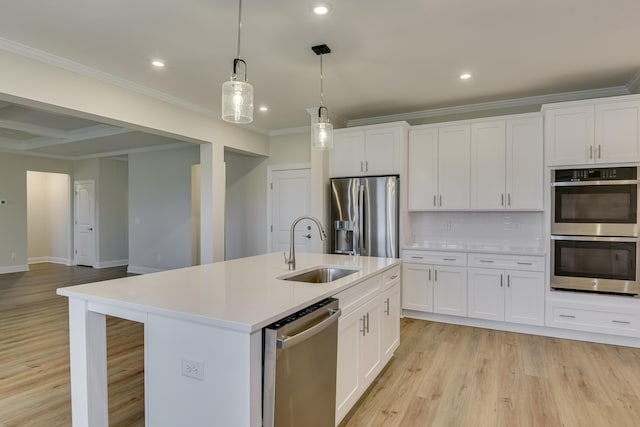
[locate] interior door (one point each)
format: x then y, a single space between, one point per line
290 198
85 223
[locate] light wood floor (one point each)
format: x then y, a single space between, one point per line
442 375
34 350
447 375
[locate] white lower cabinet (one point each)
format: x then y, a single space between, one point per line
390 321
368 334
506 295
606 318
450 290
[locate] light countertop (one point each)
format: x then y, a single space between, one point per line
507 248
243 294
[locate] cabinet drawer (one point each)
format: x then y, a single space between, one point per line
352 298
438 258
509 262
390 277
594 319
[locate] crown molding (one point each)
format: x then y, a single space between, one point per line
289 131
494 105
633 85
69 65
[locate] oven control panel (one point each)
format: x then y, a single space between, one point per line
596 174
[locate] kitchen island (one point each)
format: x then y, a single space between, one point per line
203 334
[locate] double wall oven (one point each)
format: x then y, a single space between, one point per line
594 230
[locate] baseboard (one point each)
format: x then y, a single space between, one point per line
14 269
134 269
53 260
546 331
109 264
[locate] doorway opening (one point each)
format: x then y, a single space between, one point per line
49 231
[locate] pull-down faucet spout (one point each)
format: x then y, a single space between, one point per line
291 259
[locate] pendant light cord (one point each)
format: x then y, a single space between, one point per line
239 25
321 83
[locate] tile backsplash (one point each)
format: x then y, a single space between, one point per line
519 228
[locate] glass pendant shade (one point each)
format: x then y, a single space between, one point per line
322 132
237 101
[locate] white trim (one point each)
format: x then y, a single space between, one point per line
495 105
52 260
109 264
544 331
135 269
633 85
14 269
270 170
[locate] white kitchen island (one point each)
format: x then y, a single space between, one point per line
202 332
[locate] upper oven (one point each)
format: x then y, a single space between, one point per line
595 202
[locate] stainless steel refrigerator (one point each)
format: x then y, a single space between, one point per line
364 216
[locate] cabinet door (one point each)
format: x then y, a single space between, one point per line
450 290
390 323
453 167
417 287
617 132
524 164
370 360
524 297
423 169
347 156
569 135
348 374
382 151
488 165
486 293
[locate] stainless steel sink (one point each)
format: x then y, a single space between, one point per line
321 275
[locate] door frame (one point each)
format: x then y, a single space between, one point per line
96 234
270 170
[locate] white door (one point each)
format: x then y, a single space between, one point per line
450 290
486 293
488 165
85 222
454 153
290 199
423 169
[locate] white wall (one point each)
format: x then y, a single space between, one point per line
13 215
160 229
38 242
246 196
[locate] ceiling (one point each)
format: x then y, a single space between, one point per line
388 58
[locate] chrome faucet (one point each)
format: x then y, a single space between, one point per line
291 259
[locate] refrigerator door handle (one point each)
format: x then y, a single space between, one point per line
360 249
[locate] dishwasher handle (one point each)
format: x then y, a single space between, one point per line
289 342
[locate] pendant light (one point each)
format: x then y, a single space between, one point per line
237 93
322 130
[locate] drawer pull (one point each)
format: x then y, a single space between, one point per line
393 277
448 259
489 261
622 322
525 263
568 316
416 257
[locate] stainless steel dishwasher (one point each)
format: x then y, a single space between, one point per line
299 368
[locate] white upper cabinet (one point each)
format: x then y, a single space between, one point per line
373 150
525 161
488 165
439 168
423 169
595 132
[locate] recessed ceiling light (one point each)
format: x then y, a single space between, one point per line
157 63
465 76
321 9
264 108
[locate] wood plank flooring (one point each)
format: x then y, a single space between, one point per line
442 375
34 350
448 375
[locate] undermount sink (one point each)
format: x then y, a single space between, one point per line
321 275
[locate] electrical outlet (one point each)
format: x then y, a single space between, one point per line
193 369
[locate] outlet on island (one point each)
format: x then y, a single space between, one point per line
193 369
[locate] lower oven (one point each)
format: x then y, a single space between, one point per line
595 264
